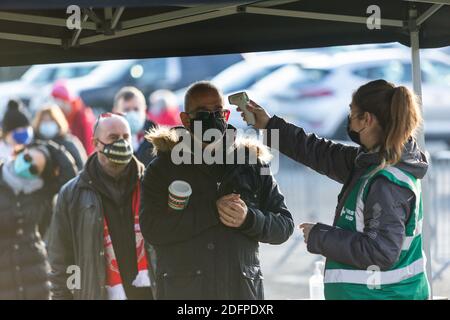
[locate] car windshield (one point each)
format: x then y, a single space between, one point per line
242 76
50 73
35 72
289 77
392 70
110 70
436 72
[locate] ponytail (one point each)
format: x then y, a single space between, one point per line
397 111
404 118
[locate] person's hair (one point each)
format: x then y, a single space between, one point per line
196 88
128 93
56 114
397 111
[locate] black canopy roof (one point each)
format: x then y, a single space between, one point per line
36 32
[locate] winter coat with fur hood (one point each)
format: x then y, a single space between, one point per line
198 257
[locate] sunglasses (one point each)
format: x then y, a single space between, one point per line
33 168
204 115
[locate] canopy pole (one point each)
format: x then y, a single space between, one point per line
417 86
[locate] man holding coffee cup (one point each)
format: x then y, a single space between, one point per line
205 220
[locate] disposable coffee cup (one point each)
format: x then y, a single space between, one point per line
179 193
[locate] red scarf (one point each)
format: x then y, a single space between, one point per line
114 284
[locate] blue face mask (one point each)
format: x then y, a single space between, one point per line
23 136
48 129
24 168
136 121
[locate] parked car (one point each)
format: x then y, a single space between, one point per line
98 88
316 93
37 77
244 74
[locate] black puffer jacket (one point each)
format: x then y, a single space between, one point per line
23 219
197 256
23 265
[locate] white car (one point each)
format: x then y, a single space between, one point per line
316 94
30 84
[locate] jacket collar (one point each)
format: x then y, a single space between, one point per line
164 139
85 180
413 160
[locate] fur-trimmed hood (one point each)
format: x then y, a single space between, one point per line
164 139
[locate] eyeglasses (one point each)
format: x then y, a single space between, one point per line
33 168
106 115
204 115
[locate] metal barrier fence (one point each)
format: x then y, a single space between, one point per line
439 215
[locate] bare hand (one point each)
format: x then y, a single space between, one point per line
232 210
261 116
306 227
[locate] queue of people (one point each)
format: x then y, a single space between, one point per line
123 207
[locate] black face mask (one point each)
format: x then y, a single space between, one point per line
209 120
118 152
353 135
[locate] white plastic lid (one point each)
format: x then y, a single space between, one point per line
180 188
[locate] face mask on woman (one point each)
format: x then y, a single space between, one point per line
48 129
353 135
23 135
24 167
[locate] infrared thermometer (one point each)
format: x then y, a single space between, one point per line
241 100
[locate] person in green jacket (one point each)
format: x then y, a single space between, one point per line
374 247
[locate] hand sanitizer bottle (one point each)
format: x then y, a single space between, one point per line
316 288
